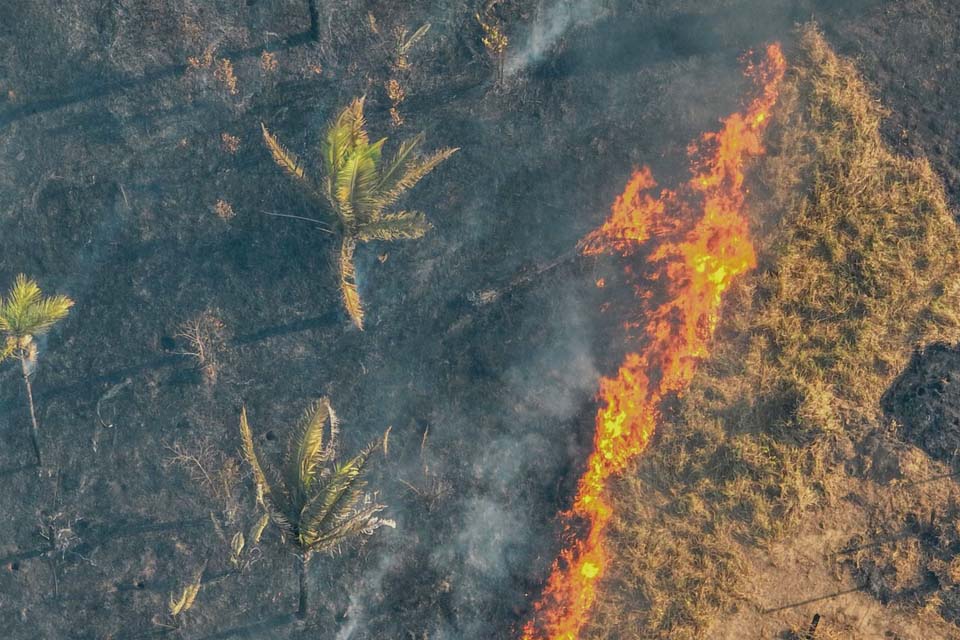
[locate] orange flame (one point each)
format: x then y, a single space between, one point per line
700 244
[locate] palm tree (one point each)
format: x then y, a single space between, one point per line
25 314
317 503
359 186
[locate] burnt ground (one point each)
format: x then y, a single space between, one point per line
111 163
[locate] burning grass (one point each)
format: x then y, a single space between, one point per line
858 256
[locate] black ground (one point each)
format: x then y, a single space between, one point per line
111 162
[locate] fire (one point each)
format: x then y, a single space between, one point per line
696 241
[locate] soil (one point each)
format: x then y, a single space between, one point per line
485 335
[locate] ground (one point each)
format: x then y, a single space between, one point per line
484 340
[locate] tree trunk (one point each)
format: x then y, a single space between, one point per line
304 564
35 427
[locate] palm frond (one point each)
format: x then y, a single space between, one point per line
393 172
281 155
355 187
336 500
288 161
362 518
344 185
402 225
334 149
188 595
344 134
48 312
9 346
270 501
348 283
256 531
404 45
333 501
412 173
307 449
352 118
24 294
250 454
334 505
26 312
365 193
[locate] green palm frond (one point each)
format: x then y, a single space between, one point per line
413 172
346 133
394 171
326 503
306 450
336 500
403 225
265 495
25 312
356 182
352 118
359 185
25 293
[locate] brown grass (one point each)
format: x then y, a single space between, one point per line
859 256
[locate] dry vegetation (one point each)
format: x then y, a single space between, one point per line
859 256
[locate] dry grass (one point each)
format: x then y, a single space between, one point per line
859 256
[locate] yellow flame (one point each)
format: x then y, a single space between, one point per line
697 241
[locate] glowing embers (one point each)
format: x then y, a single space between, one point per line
695 241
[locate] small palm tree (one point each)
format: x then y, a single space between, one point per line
360 186
319 503
25 314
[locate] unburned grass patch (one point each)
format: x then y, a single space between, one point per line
858 261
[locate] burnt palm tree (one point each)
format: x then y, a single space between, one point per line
359 185
317 502
24 314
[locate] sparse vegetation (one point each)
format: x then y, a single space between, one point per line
221 68
405 41
360 186
230 143
179 604
494 39
205 338
859 256
268 61
397 95
25 314
319 502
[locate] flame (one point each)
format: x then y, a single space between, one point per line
700 243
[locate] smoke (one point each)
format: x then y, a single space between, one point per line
547 30
366 592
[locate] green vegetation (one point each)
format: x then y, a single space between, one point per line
24 315
859 263
319 503
360 186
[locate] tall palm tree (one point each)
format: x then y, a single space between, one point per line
317 502
359 186
24 314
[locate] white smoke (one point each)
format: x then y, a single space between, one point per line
547 30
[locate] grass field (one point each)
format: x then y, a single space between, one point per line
858 261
